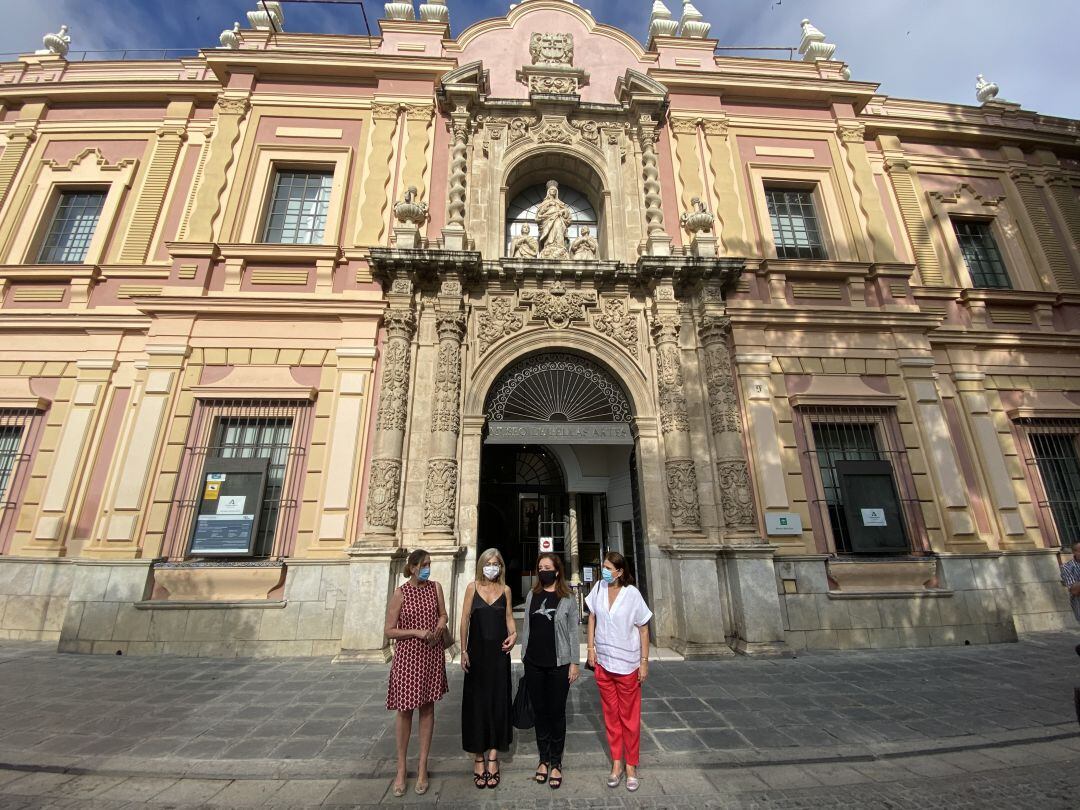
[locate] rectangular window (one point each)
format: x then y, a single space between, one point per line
1055 451
18 434
865 489
298 207
72 228
981 254
794 223
275 430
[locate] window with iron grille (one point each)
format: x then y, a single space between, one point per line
72 227
794 223
277 430
298 207
1053 447
858 473
981 254
17 430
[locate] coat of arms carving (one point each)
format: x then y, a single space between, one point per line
552 49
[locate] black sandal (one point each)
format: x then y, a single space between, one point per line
493 778
480 779
555 782
541 777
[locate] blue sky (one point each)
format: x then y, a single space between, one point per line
929 49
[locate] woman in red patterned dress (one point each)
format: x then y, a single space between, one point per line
415 619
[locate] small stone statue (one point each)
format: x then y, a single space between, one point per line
985 91
230 37
269 19
699 219
524 246
553 217
584 248
57 43
409 210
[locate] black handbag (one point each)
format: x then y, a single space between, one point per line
522 714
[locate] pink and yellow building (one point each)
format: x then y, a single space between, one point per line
270 317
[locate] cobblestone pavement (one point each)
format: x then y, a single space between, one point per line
989 726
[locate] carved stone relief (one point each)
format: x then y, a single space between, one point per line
394 394
552 49
669 377
446 414
498 321
682 494
383 489
617 322
558 306
736 497
440 493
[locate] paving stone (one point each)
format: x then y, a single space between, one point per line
246 793
191 791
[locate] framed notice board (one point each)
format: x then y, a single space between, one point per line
230 502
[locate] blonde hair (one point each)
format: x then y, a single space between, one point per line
483 559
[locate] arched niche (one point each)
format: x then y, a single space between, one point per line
572 172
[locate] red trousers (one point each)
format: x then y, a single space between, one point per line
620 695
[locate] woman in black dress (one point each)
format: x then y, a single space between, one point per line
487 636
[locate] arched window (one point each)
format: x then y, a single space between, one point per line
522 211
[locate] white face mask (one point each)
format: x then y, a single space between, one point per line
492 571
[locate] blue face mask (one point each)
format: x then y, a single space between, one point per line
423 574
608 577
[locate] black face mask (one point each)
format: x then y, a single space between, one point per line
547 577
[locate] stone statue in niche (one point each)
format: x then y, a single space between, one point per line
553 217
584 248
524 246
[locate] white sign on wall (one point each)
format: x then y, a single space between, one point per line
873 517
547 543
782 523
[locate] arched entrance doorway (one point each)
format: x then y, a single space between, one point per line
557 467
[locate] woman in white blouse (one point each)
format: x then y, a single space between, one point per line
619 652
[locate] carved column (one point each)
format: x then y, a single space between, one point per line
679 464
230 112
852 140
440 492
384 485
732 470
454 232
659 243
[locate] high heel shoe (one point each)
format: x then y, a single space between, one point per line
493 776
541 777
555 782
480 779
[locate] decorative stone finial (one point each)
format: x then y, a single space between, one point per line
57 43
698 219
409 211
660 23
230 37
813 46
269 19
985 91
435 11
399 11
692 24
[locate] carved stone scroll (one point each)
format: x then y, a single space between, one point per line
384 486
558 306
618 323
498 321
440 493
682 494
736 496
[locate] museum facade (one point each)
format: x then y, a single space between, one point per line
275 314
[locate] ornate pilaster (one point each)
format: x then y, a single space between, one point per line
230 112
722 161
903 182
679 465
659 243
440 492
851 135
732 470
384 486
1065 197
18 144
1048 241
384 122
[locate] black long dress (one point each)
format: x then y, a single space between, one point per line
486 695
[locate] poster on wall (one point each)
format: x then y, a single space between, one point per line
227 520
